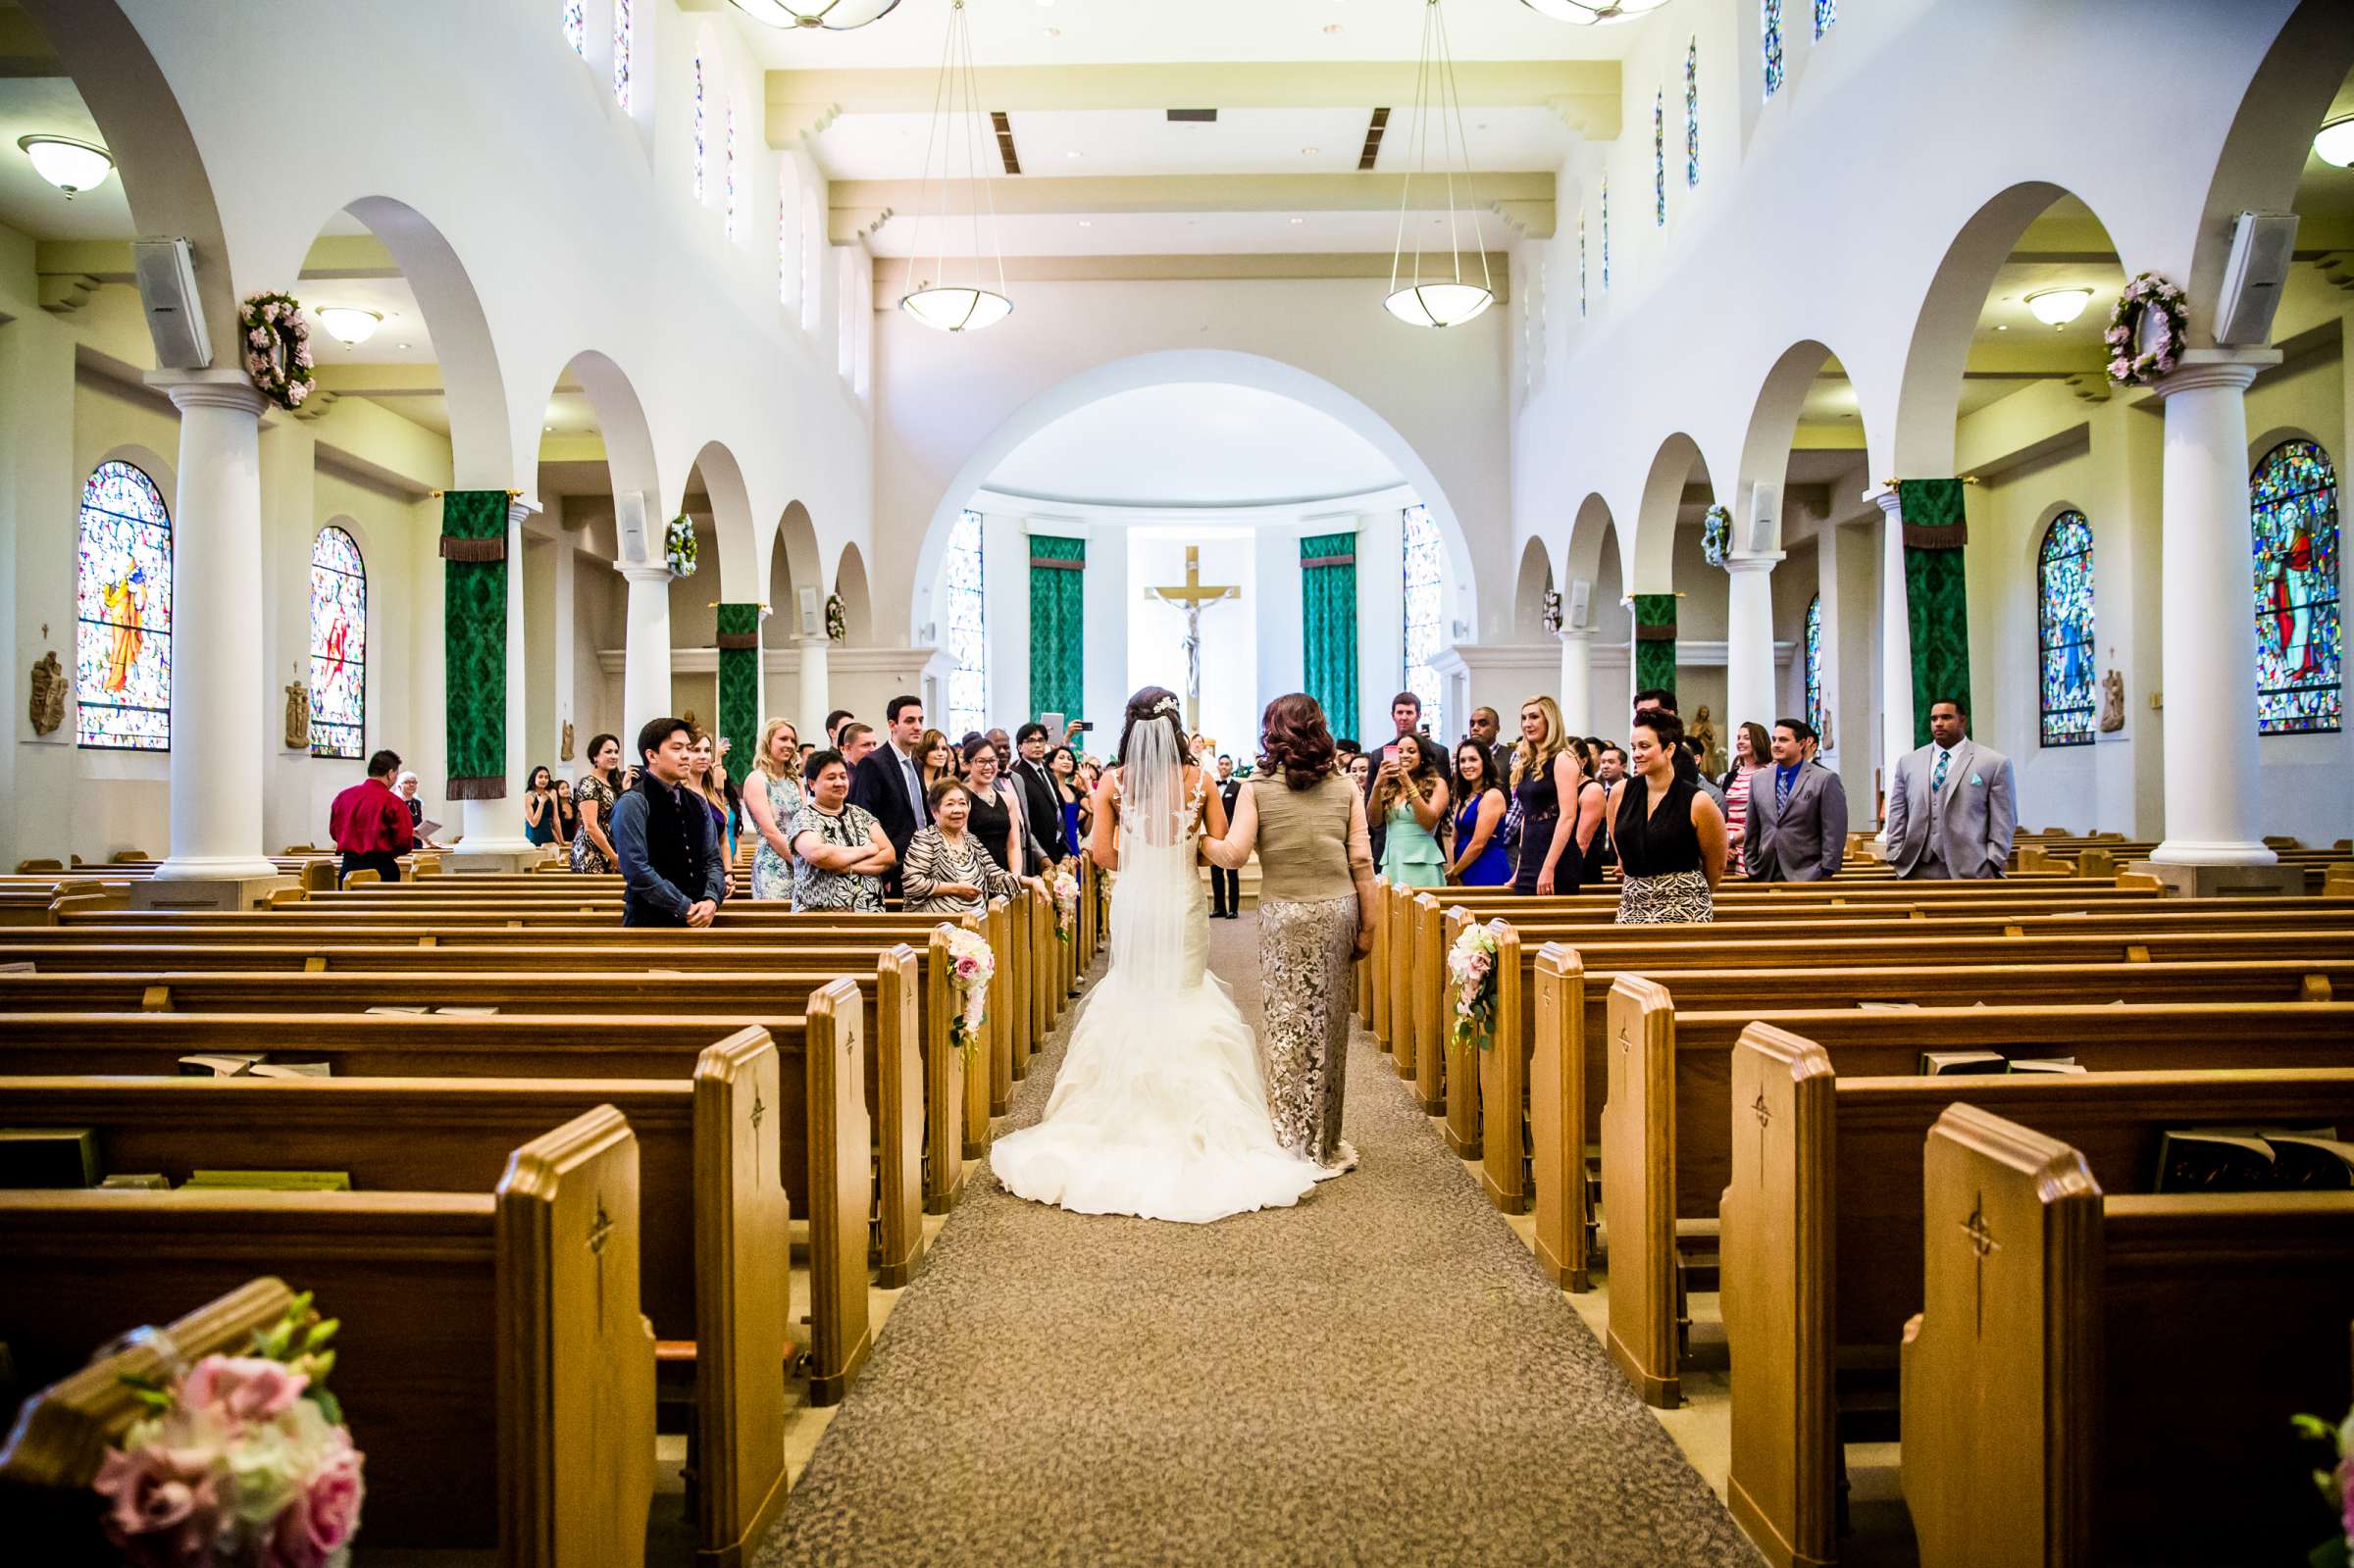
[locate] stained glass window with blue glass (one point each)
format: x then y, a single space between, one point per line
698 127
1771 44
622 38
576 25
2292 503
122 592
2063 632
1692 114
1424 611
338 645
1659 158
1827 12
730 186
1815 663
1605 233
968 629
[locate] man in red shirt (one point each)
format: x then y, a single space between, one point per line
371 824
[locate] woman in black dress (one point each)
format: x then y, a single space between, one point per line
1543 771
992 821
1670 836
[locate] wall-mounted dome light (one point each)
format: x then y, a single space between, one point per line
2334 143
2057 307
348 324
73 166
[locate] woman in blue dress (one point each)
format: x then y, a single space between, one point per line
1480 857
1410 795
1063 766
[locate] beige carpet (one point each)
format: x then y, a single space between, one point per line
1378 1376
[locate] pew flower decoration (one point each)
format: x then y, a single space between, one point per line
243 1462
1066 902
1471 981
970 966
278 349
2147 331
2337 1488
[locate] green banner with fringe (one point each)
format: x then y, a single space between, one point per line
473 638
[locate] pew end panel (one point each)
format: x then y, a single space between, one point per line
1504 1082
1776 1295
839 1204
742 1309
944 1083
1557 1117
1377 972
1433 933
1638 1189
1006 1025
900 1114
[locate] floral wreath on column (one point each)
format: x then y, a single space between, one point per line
678 546
278 349
1717 534
2147 331
838 625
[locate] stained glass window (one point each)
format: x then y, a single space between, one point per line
622 36
1771 44
2292 501
968 629
1827 12
576 25
729 189
1692 113
338 645
1659 158
1424 612
1815 663
2063 631
698 127
1605 233
123 589
1581 262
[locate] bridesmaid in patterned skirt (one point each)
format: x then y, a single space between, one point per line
1671 853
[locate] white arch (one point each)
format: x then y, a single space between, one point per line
1219 366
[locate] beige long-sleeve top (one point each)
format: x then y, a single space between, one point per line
1312 843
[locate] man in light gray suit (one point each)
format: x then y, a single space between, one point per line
1950 809
1797 813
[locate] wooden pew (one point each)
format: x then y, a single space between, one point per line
2109 1378
1668 1126
1823 1231
534 1355
712 1208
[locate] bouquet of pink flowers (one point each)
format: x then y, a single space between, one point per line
2337 1488
971 964
244 1461
1472 983
1066 902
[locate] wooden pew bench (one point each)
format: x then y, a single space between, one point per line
1822 1231
1670 1126
2109 1378
516 1412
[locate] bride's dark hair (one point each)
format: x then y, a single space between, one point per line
1144 708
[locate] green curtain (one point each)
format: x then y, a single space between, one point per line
1655 640
474 630
1936 596
739 641
1058 625
1328 622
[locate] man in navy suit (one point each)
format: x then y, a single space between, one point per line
890 781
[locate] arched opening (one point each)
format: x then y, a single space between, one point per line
857 603
796 585
1676 597
1529 590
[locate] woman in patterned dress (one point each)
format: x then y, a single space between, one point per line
772 802
1752 750
1670 836
592 852
838 850
945 871
1306 821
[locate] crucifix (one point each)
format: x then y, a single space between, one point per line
1191 597
1983 1242
600 1229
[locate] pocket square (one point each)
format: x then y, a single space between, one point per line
1975 780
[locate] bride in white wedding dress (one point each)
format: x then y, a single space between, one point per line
1159 1109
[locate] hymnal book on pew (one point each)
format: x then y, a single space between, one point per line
219 1064
2213 1162
274 1181
291 1070
48 1156
137 1181
2044 1064
1944 1064
2305 1164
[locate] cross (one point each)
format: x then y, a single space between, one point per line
600 1231
1765 1114
1191 597
758 1111
1983 1242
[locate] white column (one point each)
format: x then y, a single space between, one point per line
567 702
809 723
645 655
2206 654
1749 694
1578 681
495 826
218 718
1896 644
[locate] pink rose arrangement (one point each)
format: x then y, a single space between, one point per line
970 966
1472 987
1066 902
2130 364
246 1460
2337 1488
278 349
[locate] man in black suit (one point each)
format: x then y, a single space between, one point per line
1226 887
1041 802
890 781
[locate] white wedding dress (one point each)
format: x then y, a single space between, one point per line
1159 1109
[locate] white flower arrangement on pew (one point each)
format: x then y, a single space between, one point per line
2337 1488
1066 902
1471 981
971 964
243 1461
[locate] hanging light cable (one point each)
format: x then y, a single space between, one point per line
940 302
1455 299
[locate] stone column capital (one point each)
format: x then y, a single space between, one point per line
229 389
2199 370
644 571
1575 634
1741 565
1888 501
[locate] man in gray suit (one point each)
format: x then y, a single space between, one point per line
1950 809
1797 813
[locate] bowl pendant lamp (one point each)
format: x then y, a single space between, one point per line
957 298
1441 294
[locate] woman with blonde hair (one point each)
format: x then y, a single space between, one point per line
1545 775
772 803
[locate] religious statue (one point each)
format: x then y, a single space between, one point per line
1189 596
564 751
1705 731
2113 703
48 694
1552 611
1822 736
298 716
687 719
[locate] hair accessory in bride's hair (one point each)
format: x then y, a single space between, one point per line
1167 707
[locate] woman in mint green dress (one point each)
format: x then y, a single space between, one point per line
1410 796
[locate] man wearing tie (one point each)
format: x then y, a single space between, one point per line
890 781
1226 887
1950 809
1797 813
1041 802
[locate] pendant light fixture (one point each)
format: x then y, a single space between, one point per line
1443 298
956 301
72 166
1586 12
834 16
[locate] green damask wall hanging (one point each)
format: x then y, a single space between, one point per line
474 622
1328 624
1057 625
738 643
1936 596
1655 640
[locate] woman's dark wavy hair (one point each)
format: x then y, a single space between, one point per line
596 742
1140 712
1293 738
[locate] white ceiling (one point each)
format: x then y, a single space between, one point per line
1015 32
1187 234
1194 444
